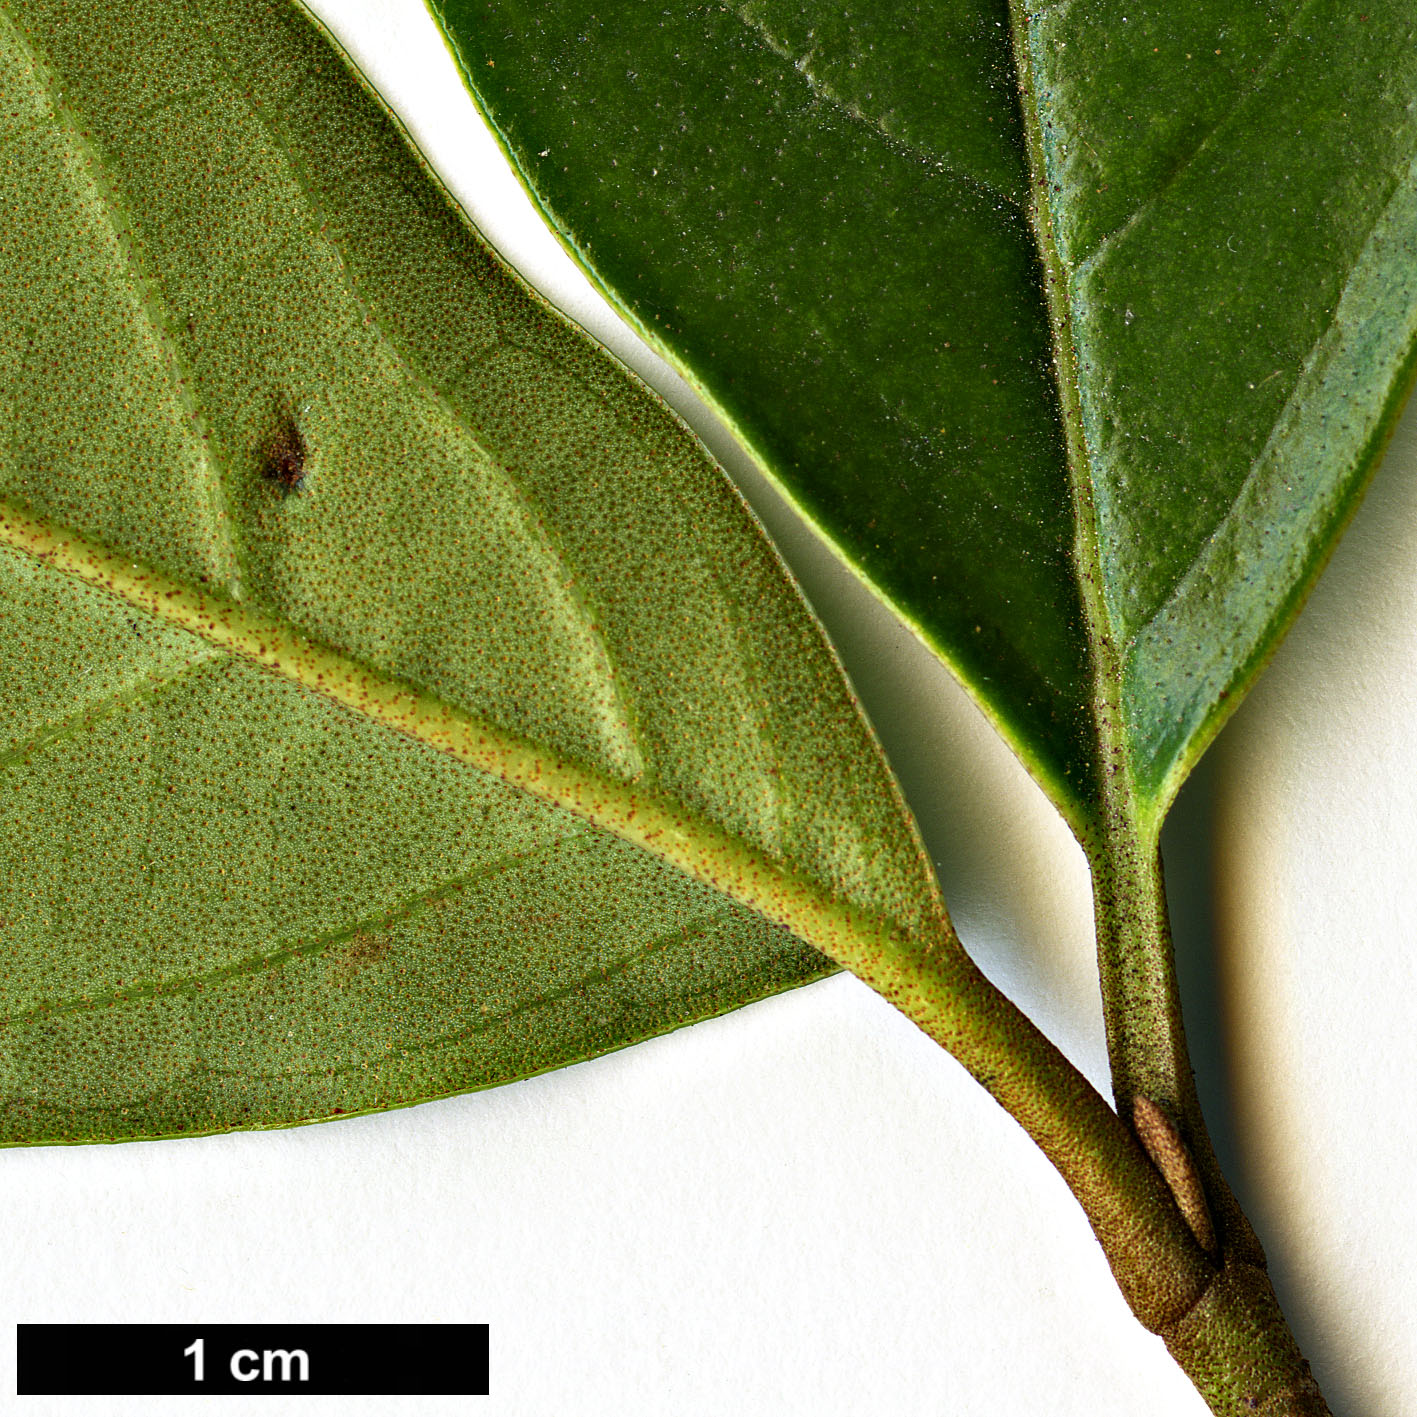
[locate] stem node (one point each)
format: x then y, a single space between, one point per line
1236 1348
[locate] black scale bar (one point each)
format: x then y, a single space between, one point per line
169 1360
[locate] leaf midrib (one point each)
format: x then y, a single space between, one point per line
668 830
1124 802
1120 812
1110 804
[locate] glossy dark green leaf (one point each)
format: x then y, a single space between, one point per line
394 700
880 237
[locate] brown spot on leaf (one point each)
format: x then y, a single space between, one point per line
285 456
350 960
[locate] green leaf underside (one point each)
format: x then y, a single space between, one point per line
244 878
821 213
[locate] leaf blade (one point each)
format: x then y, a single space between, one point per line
664 664
685 253
1251 296
566 92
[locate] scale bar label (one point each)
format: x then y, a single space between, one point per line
323 1360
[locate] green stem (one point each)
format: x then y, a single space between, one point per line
1141 1004
1237 1350
1218 1315
1233 1342
1140 1001
1158 1265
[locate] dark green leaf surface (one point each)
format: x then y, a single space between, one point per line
823 213
334 568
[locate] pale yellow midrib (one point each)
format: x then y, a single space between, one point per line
699 848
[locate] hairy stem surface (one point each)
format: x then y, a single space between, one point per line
1233 1342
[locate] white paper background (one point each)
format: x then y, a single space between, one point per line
806 1207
